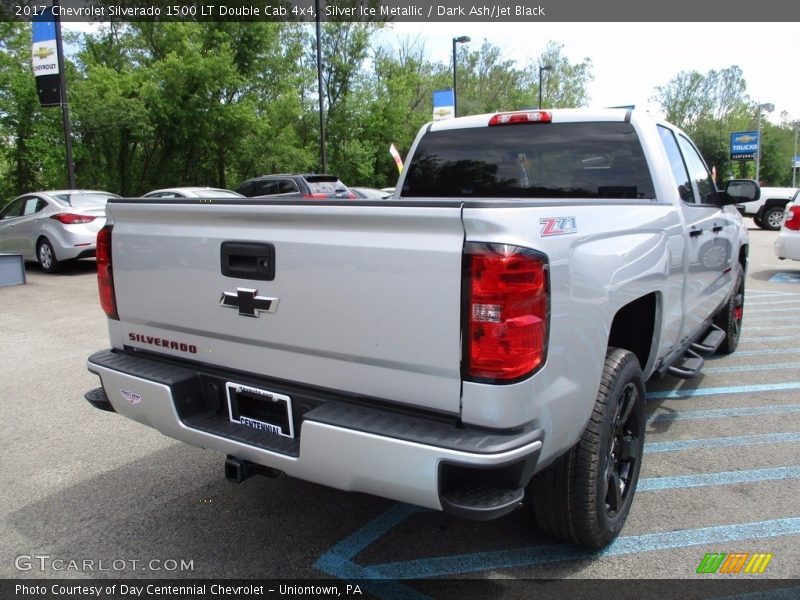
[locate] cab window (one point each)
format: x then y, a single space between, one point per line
698 172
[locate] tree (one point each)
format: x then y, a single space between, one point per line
709 107
31 137
489 83
564 83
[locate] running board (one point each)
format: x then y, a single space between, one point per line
711 342
688 366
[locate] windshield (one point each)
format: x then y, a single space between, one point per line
84 199
558 160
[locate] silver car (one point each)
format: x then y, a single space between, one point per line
192 192
54 226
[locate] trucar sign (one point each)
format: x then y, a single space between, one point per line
744 145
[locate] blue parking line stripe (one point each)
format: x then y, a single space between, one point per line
789 593
715 391
745 368
767 351
658 484
372 531
723 413
757 320
538 555
721 442
771 301
774 338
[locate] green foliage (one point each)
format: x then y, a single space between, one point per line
564 85
195 103
711 106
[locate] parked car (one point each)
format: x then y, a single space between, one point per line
192 192
309 186
788 243
767 211
365 192
53 226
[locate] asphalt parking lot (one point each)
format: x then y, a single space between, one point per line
721 474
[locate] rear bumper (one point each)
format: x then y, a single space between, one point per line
410 458
787 244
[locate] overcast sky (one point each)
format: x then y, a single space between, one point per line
631 59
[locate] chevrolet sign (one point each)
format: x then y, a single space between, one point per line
744 145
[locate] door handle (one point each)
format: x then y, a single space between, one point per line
716 228
248 260
694 232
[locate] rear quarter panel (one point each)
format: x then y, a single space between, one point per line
618 253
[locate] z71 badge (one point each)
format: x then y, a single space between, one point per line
558 225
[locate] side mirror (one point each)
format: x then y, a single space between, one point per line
738 191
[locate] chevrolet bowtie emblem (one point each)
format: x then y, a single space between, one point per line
43 52
249 303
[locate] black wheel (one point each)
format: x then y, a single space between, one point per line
729 319
47 256
586 495
772 218
758 222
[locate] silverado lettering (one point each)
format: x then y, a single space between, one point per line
162 343
476 344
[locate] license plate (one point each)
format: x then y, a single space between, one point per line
260 409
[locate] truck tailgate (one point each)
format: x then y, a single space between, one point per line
366 298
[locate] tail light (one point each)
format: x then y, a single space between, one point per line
316 196
792 218
105 275
72 218
521 117
507 312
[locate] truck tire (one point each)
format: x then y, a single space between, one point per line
772 218
585 496
729 319
758 222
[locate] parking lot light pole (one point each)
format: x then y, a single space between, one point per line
456 40
541 70
769 107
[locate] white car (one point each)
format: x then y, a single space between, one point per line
788 243
53 226
192 192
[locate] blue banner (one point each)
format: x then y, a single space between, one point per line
443 105
44 57
744 145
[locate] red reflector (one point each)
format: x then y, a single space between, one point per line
72 218
508 312
105 276
793 218
517 118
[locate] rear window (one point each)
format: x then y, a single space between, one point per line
553 160
330 187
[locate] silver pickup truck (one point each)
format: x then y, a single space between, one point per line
477 343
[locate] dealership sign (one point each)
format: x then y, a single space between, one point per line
443 105
44 58
744 145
